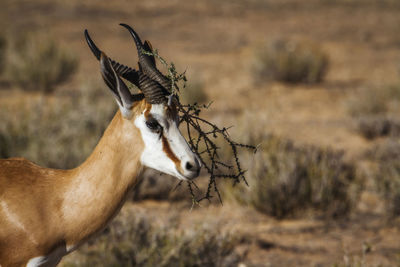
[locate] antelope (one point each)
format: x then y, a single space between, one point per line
47 213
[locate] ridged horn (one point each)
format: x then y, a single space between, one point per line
124 71
146 62
152 90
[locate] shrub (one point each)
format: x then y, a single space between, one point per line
59 132
377 126
285 180
290 61
375 110
387 174
134 239
39 64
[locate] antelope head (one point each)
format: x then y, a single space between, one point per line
152 111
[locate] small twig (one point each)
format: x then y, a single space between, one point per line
177 185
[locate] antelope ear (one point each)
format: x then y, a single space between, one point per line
118 88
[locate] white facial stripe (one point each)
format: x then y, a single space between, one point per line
168 152
153 155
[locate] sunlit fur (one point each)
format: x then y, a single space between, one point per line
46 213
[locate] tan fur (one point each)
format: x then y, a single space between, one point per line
43 209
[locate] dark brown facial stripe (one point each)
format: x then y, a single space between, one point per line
170 154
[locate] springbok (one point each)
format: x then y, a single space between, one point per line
47 213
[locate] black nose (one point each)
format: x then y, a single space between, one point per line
192 166
189 166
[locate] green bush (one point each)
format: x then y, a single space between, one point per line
285 180
134 239
290 61
39 64
58 132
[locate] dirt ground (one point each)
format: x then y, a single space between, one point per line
214 41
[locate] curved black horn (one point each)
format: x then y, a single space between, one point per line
146 62
153 92
126 72
96 51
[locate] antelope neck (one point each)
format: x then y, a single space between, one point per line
98 188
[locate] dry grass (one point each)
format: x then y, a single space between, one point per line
377 126
135 239
387 174
290 61
375 110
368 101
38 63
356 260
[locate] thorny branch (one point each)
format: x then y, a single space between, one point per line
203 136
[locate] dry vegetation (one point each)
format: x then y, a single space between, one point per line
135 239
290 61
286 181
324 186
375 110
28 52
387 174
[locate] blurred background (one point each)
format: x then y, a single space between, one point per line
314 83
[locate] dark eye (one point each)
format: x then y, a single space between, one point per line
153 125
